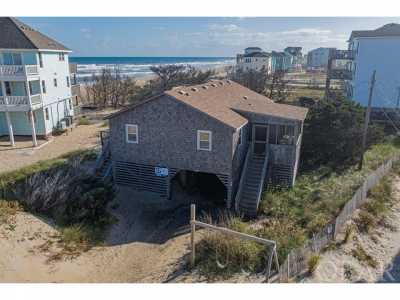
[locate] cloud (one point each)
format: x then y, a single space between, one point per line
87 32
224 27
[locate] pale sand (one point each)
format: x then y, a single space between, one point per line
383 247
136 249
81 137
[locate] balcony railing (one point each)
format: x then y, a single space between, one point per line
343 54
36 99
18 70
14 100
341 74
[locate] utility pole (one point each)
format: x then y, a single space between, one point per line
398 97
366 123
328 71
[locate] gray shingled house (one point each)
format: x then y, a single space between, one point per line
222 128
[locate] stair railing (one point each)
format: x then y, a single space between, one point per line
263 174
243 177
105 152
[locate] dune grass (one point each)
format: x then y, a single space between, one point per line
291 216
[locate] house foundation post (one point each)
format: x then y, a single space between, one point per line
32 121
10 129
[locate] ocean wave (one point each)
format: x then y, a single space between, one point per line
140 70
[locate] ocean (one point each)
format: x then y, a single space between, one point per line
140 66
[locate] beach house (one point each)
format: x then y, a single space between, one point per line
254 59
243 139
35 83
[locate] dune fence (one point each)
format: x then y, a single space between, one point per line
296 262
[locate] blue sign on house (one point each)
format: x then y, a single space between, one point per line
161 172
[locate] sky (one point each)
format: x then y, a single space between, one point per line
198 36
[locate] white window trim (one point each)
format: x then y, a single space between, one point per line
198 140
126 134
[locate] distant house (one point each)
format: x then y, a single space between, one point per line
35 82
222 128
318 58
296 60
280 61
375 50
254 59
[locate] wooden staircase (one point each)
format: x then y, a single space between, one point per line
103 168
251 183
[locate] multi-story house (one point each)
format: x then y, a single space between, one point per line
254 59
375 50
318 58
296 57
35 83
280 61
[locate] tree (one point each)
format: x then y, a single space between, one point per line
252 79
277 86
333 132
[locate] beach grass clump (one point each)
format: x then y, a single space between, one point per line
362 256
312 263
83 121
8 208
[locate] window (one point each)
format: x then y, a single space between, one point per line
8 88
30 87
46 113
40 60
67 81
281 134
61 56
44 87
70 104
12 58
55 82
204 140
131 133
240 138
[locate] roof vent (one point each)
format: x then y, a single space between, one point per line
228 82
205 87
245 97
221 83
194 89
213 84
181 92
186 94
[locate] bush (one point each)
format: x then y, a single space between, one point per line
8 209
313 263
347 233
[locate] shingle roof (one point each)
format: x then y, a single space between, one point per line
257 54
391 29
223 99
16 35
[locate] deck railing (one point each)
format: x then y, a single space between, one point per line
14 100
36 99
18 70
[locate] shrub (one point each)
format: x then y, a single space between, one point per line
313 263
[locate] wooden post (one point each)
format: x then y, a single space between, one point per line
288 267
271 253
10 128
32 120
366 123
193 229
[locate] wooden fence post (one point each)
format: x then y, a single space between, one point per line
288 267
193 229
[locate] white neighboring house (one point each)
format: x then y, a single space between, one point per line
254 59
35 93
318 58
378 50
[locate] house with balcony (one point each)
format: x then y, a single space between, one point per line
378 50
254 58
220 129
35 82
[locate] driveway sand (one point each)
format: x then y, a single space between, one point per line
81 137
146 245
